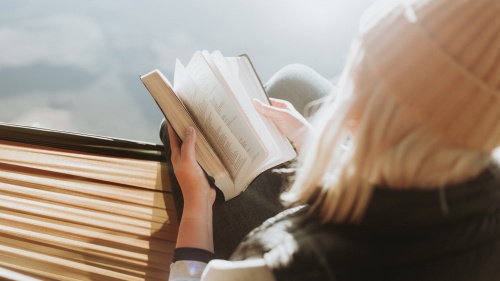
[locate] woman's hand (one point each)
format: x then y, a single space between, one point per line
289 121
195 228
192 180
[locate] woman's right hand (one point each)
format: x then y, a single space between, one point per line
291 123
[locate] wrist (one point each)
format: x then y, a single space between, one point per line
197 197
197 207
195 228
301 136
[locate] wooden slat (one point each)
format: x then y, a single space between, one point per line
67 215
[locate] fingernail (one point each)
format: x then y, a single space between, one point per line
189 131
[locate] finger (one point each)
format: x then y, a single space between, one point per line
188 146
268 110
277 102
175 143
281 103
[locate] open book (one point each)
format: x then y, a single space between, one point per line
214 94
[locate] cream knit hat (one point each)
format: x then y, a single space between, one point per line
441 60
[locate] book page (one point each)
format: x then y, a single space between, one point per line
244 94
180 119
276 141
220 119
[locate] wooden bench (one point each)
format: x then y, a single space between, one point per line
79 207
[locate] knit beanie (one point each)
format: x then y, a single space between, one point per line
441 60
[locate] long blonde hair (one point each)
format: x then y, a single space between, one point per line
364 138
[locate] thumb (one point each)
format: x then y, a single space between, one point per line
188 146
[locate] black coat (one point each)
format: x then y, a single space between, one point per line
417 234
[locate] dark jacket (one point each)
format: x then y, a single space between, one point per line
414 234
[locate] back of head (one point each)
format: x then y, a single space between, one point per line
418 106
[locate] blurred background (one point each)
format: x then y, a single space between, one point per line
74 65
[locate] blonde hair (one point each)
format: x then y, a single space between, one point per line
365 139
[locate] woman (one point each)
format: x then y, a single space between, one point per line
395 178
